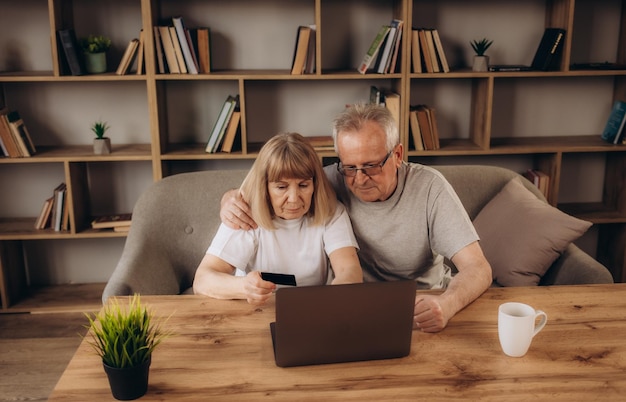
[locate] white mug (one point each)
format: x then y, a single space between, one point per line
517 326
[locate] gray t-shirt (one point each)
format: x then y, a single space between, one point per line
408 235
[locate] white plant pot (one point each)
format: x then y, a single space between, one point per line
102 146
481 63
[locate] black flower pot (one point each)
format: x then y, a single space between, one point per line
128 383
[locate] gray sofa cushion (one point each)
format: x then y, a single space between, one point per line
522 236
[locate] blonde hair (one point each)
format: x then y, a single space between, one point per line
287 156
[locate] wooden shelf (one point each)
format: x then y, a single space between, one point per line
180 108
60 299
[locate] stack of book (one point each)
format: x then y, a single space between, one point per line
427 54
539 179
226 127
424 131
180 50
382 55
119 222
54 212
15 140
304 52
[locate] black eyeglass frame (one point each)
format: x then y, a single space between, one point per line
368 170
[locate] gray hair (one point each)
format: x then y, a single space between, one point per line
354 117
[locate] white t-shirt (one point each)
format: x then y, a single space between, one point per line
295 247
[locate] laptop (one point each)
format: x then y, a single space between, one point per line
343 323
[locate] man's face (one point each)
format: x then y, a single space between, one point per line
366 147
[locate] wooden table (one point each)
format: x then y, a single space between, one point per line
223 351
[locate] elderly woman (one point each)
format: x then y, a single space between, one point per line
302 229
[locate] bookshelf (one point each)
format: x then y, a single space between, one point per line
160 122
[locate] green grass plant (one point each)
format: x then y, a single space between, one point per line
125 335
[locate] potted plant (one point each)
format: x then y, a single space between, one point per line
101 144
481 60
95 48
125 337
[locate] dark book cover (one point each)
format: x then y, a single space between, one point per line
549 50
71 50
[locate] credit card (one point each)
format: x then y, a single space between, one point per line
279 279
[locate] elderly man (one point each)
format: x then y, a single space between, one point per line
406 217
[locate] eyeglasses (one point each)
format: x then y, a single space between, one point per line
369 170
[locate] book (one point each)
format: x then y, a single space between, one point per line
301 50
540 179
179 28
620 132
440 52
428 62
392 102
231 131
7 136
57 208
111 221
549 50
220 123
416 133
127 57
434 128
372 51
376 96
309 67
615 122
222 132
44 217
158 46
21 134
3 148
69 44
140 53
509 67
192 41
396 51
178 51
424 123
431 49
388 48
168 50
204 49
416 57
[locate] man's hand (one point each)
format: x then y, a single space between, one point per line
235 212
257 290
428 314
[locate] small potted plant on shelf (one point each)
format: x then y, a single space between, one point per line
481 60
101 144
125 336
95 48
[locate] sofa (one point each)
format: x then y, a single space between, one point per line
175 219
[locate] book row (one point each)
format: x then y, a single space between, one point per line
614 129
427 54
540 179
424 131
54 212
382 55
226 127
15 140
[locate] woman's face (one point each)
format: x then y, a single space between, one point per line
291 198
